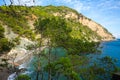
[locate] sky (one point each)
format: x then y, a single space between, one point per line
104 12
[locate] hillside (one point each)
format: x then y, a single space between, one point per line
26 30
18 24
78 17
24 18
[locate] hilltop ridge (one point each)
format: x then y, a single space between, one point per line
17 23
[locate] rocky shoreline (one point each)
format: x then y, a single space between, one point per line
20 59
19 56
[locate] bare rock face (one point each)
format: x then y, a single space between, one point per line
102 32
19 52
99 29
71 15
9 33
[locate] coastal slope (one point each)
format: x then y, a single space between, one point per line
17 24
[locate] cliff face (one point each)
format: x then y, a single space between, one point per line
19 26
82 27
95 27
105 35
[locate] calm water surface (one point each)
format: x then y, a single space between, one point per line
112 49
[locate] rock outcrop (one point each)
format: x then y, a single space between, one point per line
99 29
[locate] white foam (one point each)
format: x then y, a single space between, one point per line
12 76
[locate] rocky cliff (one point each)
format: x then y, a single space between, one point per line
18 23
95 27
99 29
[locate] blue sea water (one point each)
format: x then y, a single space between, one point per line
112 49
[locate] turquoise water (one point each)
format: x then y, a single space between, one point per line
111 48
31 70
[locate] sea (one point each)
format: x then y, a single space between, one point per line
109 48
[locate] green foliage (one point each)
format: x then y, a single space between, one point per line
58 31
64 67
5 45
4 63
78 61
75 38
80 31
101 69
53 9
14 17
16 41
23 77
77 46
1 32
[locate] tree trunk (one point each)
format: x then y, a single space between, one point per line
37 75
58 76
49 61
42 77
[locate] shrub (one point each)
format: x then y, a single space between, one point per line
5 45
23 77
1 32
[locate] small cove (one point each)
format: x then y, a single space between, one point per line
110 48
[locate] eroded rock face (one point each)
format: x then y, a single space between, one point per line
19 52
102 32
71 15
105 35
9 33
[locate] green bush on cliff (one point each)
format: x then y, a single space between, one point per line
23 77
5 45
59 32
14 18
1 32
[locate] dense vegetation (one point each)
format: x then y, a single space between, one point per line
16 18
75 65
56 32
59 32
5 45
23 77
